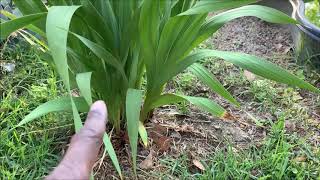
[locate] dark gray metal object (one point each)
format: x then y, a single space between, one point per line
306 36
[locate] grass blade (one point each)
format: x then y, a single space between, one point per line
133 106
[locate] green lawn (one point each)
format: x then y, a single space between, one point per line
31 151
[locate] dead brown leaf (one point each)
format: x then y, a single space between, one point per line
290 126
158 135
163 143
148 162
228 116
198 164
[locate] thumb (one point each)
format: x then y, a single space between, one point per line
84 146
87 142
95 125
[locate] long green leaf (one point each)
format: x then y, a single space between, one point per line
58 22
164 99
205 76
265 13
84 84
61 104
76 116
215 5
112 154
133 106
30 26
206 105
10 26
143 134
102 53
30 6
27 7
149 35
203 103
259 66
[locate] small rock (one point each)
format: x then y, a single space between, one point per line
176 135
8 67
249 75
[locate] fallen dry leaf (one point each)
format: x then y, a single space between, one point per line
300 159
228 116
158 135
163 143
198 164
249 75
148 162
290 126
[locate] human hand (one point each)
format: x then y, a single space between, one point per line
84 146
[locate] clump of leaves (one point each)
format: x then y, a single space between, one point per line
105 48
